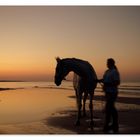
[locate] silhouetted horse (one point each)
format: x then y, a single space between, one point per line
85 81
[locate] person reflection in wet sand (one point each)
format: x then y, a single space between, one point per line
111 80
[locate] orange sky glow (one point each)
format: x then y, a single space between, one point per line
31 38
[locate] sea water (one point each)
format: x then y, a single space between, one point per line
125 87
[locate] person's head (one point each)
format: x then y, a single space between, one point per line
110 63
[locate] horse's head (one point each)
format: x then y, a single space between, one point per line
60 72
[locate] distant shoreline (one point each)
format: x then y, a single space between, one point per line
123 82
1 89
24 81
12 81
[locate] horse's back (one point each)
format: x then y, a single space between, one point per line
88 78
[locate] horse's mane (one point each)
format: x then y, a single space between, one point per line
75 59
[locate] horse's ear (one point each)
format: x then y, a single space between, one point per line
58 59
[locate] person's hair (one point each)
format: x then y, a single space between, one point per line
112 62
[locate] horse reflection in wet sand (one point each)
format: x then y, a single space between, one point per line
84 81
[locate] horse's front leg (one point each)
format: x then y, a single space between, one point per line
91 109
79 99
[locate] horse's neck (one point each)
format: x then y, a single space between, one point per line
82 68
76 67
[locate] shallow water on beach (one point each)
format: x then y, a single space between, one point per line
26 110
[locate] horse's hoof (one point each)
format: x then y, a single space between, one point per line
77 123
91 124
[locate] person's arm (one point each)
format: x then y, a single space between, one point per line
114 83
115 80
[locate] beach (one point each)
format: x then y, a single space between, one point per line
48 110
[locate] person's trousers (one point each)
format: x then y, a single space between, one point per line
111 115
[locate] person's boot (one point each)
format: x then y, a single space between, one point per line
115 128
106 128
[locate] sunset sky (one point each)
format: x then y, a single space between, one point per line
31 38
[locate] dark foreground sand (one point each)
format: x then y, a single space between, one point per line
53 111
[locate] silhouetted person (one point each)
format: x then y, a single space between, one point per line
111 80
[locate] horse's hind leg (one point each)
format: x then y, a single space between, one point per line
84 103
91 110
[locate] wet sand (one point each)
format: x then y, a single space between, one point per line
53 111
